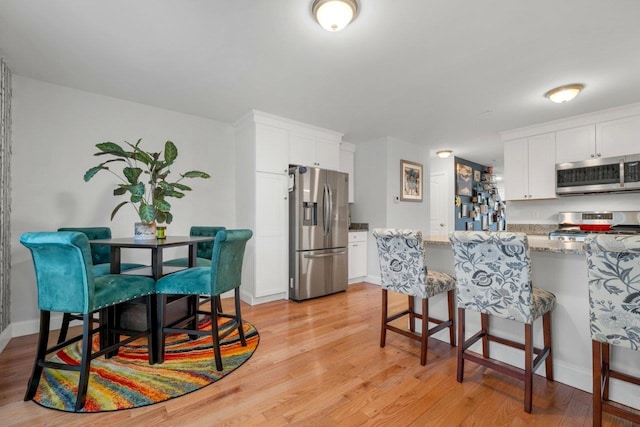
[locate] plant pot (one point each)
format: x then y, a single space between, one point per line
144 231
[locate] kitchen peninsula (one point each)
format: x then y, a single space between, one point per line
561 268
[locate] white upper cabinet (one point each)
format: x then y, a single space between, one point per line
328 154
618 137
576 144
347 165
272 149
314 151
612 138
529 168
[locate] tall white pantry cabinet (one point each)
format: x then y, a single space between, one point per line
264 145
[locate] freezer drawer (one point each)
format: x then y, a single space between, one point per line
319 273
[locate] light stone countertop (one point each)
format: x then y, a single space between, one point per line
537 243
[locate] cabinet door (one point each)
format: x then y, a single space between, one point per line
542 167
576 144
347 166
271 234
302 150
357 259
618 137
272 149
328 154
516 170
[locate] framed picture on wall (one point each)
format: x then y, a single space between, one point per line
410 181
463 179
476 175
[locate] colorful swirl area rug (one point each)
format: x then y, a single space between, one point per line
128 381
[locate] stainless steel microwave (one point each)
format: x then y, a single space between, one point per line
611 174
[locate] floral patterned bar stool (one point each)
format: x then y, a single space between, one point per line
613 267
403 270
493 274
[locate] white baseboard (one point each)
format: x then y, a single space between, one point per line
251 300
28 327
373 279
5 337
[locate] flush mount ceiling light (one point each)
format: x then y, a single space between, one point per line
443 154
334 15
564 93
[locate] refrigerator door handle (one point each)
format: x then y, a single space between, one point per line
325 255
330 217
326 211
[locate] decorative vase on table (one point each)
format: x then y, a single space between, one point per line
144 231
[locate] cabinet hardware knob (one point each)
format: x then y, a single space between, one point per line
592 156
599 154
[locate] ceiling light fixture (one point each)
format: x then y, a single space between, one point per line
334 15
443 154
564 93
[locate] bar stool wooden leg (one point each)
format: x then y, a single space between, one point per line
484 321
528 367
451 308
461 345
605 352
425 332
412 315
383 330
546 332
596 348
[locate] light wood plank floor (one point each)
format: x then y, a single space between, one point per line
319 363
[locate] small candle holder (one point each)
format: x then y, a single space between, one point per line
161 231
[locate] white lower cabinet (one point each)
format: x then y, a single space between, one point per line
357 254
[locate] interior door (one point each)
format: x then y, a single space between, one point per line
438 224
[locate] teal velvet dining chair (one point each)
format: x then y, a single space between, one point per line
101 261
66 283
223 275
204 249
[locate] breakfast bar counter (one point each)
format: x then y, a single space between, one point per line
561 268
537 243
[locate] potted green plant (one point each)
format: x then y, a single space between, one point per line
146 177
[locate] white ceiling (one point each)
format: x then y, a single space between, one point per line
443 73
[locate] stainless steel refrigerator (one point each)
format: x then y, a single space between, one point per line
318 232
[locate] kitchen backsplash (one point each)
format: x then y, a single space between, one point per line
359 226
537 229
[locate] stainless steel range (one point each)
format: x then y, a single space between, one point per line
574 226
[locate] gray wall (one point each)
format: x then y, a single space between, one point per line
55 130
377 184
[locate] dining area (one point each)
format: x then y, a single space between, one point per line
80 273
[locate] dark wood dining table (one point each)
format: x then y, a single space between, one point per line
187 305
